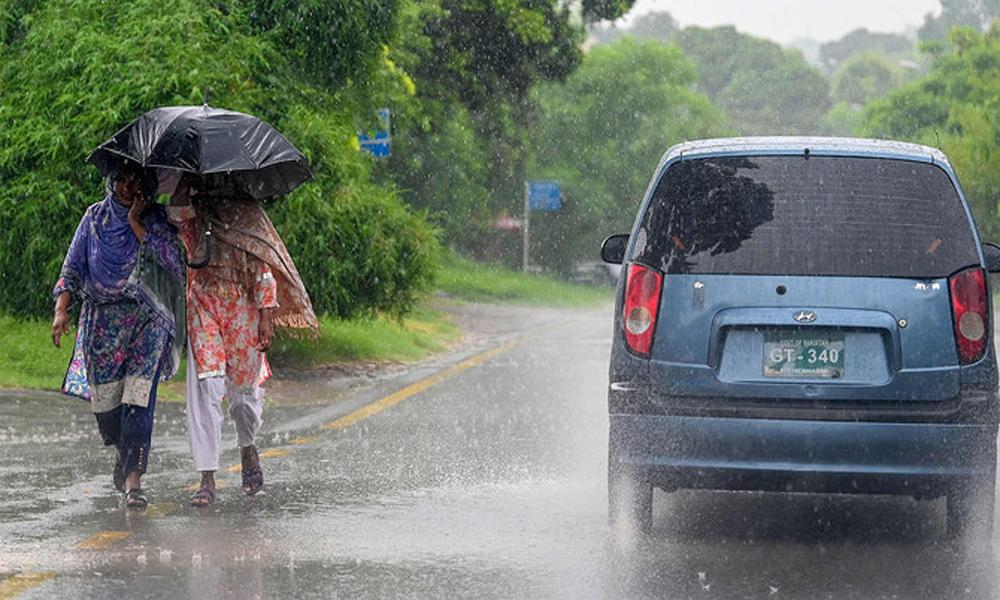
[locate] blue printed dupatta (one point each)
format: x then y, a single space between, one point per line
132 320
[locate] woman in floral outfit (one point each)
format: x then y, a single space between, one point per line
124 266
248 286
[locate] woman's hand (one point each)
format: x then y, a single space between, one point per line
139 205
265 331
60 321
135 212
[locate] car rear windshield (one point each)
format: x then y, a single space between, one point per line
800 215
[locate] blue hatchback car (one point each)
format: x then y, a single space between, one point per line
804 315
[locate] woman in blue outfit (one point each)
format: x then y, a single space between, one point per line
124 267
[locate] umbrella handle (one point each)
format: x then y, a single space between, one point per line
201 264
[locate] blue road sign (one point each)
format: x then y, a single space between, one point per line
544 195
380 146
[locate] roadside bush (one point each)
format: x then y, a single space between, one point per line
357 251
75 72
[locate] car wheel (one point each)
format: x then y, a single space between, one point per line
630 500
970 508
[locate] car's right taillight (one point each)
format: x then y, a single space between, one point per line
970 312
642 304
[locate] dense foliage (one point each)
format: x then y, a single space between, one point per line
956 108
329 41
602 134
462 139
977 14
763 88
865 77
834 54
72 73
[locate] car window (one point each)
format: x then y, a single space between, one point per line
800 215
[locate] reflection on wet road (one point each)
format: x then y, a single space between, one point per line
488 483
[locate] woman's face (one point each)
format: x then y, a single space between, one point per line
127 188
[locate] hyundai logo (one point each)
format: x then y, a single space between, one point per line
804 316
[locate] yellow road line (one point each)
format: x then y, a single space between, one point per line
271 453
275 453
391 400
161 509
103 539
415 388
13 587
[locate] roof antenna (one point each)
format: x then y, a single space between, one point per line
208 92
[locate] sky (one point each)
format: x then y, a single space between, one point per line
785 21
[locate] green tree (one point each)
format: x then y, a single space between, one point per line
843 119
489 52
955 107
833 55
660 26
977 14
76 72
790 99
865 77
602 134
462 137
597 10
764 88
330 42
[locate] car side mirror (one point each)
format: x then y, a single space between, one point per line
613 248
991 252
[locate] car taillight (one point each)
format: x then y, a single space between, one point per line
642 303
970 312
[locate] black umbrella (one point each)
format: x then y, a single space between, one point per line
246 152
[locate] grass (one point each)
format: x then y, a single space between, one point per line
423 332
27 357
476 282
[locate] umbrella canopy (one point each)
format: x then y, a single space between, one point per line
210 142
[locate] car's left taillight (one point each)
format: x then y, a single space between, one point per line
642 305
971 315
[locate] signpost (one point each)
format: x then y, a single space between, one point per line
541 196
379 146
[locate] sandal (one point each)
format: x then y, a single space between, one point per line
118 476
253 477
136 499
203 497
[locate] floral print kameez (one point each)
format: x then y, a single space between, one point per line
129 321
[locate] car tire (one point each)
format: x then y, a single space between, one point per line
971 508
630 500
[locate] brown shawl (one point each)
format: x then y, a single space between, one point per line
244 225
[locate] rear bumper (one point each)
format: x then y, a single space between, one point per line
921 459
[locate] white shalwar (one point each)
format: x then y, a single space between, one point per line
204 414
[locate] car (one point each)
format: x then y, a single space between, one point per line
808 315
595 273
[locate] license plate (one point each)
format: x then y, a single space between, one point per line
803 354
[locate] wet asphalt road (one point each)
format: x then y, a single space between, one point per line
489 483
